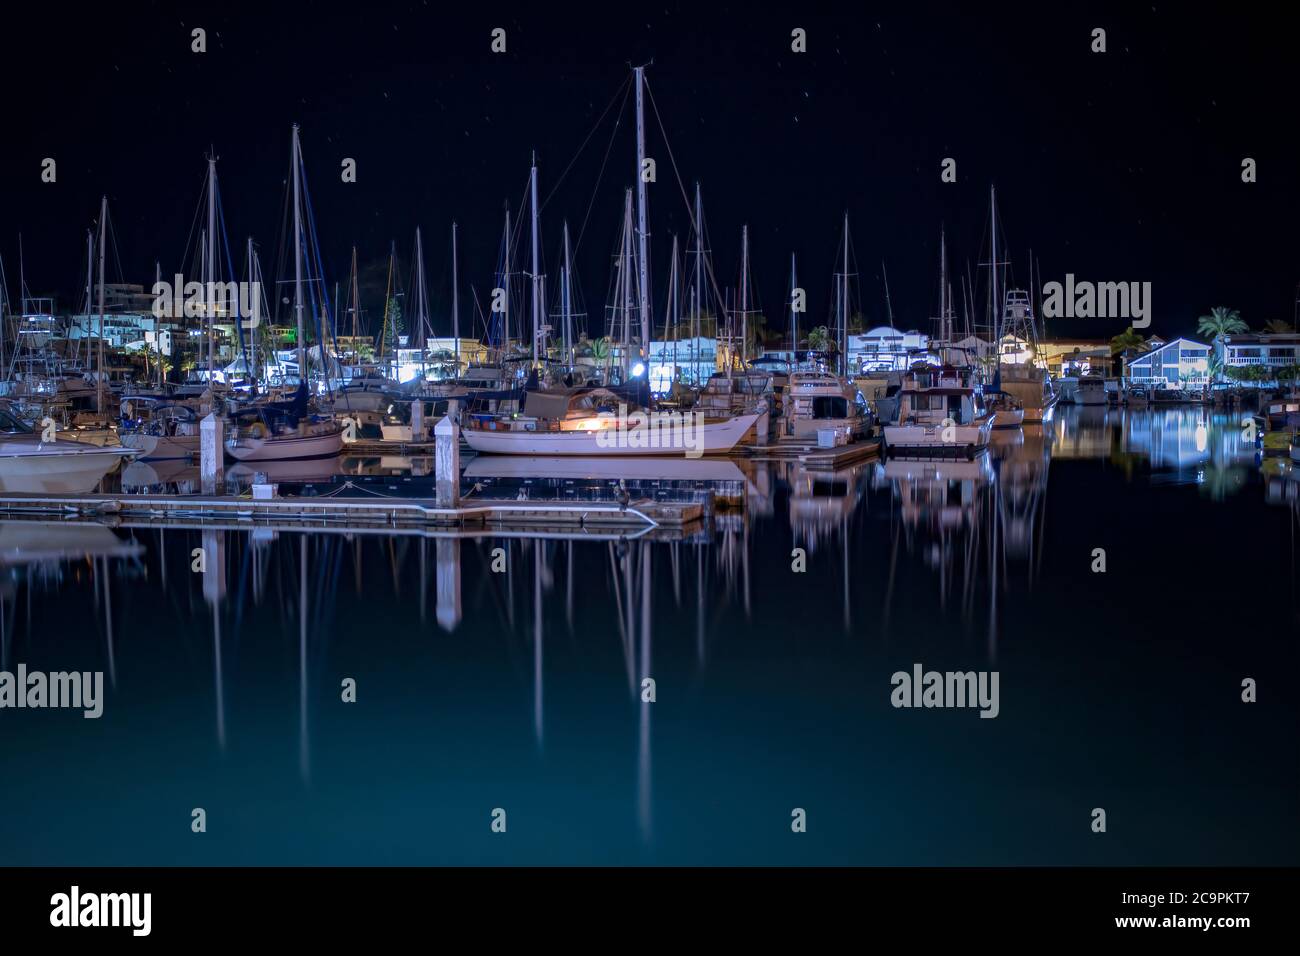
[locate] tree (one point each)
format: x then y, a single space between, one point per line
1278 326
819 339
1220 322
1127 341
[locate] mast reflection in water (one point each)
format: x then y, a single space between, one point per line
528 689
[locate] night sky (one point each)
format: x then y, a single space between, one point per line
1120 166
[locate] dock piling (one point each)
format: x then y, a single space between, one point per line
446 458
212 450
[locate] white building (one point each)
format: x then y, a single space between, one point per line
1258 348
885 349
1176 364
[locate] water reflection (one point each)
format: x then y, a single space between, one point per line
956 544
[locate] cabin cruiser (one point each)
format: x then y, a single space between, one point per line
31 465
1137 396
1091 390
159 428
596 422
938 412
819 401
727 395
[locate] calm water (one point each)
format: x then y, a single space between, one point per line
521 690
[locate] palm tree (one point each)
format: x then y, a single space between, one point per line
819 339
1220 322
1278 326
1128 340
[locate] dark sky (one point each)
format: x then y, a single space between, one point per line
1117 166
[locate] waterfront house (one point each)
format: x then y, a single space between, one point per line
1178 363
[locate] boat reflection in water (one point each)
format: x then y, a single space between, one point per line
592 681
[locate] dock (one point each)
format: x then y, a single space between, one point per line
812 456
642 515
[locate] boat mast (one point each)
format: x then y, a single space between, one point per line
211 276
794 315
993 274
506 279
696 317
297 256
945 333
103 232
744 296
455 301
625 281
844 304
536 277
674 304
643 256
566 300
255 299
157 330
420 301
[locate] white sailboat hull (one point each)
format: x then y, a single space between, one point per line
1008 418
710 438
284 447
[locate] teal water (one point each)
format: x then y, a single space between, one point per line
521 690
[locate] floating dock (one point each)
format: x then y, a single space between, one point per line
812 456
636 515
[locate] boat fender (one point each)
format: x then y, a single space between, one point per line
257 430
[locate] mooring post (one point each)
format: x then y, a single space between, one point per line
212 450
446 462
417 420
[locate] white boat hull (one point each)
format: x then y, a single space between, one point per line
159 447
57 467
285 447
963 438
710 438
1008 418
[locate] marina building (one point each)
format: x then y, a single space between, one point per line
1245 349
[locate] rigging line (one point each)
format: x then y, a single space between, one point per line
690 210
592 132
601 175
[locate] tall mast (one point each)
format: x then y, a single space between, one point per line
844 304
297 255
566 301
157 331
674 306
625 280
506 279
993 273
210 279
419 299
744 292
103 233
356 304
455 301
643 252
889 307
945 333
794 315
698 304
537 268
255 294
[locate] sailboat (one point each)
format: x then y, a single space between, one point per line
276 431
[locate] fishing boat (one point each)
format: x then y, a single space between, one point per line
595 422
30 465
938 413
